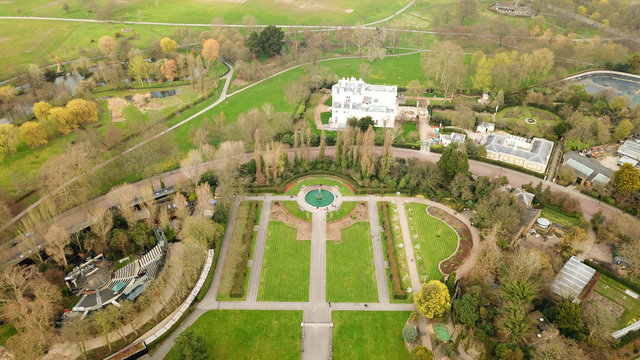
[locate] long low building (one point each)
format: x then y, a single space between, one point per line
532 155
355 98
588 170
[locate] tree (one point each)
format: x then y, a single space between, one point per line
168 45
466 309
364 69
414 88
410 333
567 176
467 8
253 42
62 120
202 231
453 162
191 166
433 300
8 139
76 330
57 239
599 320
41 110
191 346
622 130
107 44
271 40
65 7
420 353
169 69
231 182
82 111
558 348
210 51
103 322
567 316
139 69
625 182
514 321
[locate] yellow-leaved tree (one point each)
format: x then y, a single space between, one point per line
83 111
168 45
433 300
33 134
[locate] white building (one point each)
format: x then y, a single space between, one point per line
485 127
355 98
446 139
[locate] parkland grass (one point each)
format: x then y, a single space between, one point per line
369 335
350 267
246 334
286 266
433 240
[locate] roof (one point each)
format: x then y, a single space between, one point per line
587 168
537 151
572 279
525 197
453 137
627 160
487 125
631 149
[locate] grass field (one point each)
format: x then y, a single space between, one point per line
330 12
433 240
350 268
369 335
285 268
325 116
559 217
244 334
329 181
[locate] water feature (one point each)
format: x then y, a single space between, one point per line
164 93
620 85
319 198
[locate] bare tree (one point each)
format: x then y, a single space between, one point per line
101 221
123 197
191 166
57 239
76 331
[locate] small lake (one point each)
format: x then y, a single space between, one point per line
620 85
164 93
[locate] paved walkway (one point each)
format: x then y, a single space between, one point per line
258 252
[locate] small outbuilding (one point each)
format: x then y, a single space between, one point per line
485 127
572 279
543 223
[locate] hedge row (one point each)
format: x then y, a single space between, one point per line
391 253
606 272
237 290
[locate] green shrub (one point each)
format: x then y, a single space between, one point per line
237 290
420 353
410 333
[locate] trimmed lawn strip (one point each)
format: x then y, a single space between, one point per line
286 266
369 335
240 276
242 334
433 241
325 116
345 209
557 216
293 209
350 268
233 254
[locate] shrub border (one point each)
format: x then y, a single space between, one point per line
398 293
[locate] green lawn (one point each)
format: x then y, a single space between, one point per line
345 209
293 209
559 217
6 331
329 12
515 117
329 101
325 116
350 268
286 265
244 334
409 127
433 240
369 335
329 181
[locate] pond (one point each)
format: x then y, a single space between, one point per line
319 198
164 93
620 85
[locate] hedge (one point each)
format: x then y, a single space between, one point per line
391 253
237 290
606 272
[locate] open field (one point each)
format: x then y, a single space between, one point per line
285 270
32 42
433 240
350 269
369 335
241 334
330 12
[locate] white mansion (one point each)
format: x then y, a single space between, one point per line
355 98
